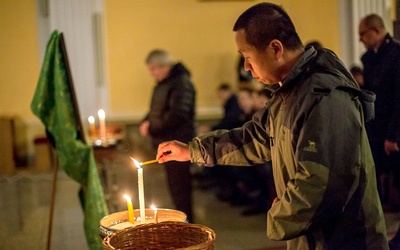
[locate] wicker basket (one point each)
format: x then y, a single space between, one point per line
163 235
107 222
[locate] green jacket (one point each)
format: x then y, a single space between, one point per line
313 131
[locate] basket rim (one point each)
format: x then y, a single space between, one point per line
211 236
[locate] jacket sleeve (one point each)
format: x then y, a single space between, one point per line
180 109
327 152
243 146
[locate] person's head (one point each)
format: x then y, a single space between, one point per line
372 31
357 74
245 99
316 44
159 63
260 98
267 38
224 92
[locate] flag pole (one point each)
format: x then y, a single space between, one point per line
52 204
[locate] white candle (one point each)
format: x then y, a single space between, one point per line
141 191
102 122
92 126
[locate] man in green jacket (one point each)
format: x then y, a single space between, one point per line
313 131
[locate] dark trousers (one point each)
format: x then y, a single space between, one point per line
385 164
180 186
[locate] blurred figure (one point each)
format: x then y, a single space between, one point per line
261 97
357 74
220 176
232 110
316 44
382 76
171 116
246 103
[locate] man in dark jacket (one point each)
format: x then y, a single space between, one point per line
313 131
382 76
232 110
171 116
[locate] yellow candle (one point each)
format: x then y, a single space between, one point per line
92 126
130 209
147 162
155 213
102 123
141 191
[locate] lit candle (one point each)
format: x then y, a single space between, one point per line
92 126
130 209
141 191
102 122
155 213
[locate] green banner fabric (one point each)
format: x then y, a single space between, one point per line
52 103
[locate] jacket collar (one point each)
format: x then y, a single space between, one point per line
383 46
299 68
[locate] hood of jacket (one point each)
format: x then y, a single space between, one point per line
321 61
177 70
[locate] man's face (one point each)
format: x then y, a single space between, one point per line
259 63
159 73
368 36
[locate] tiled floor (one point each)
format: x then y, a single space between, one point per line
24 210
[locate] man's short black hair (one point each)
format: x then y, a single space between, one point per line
264 22
354 70
224 86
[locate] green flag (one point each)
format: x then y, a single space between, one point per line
53 104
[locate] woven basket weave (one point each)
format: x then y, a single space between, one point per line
163 235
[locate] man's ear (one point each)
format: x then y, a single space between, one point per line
277 47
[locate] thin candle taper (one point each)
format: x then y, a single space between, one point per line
141 190
147 162
130 209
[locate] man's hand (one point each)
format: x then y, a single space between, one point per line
144 128
173 151
390 147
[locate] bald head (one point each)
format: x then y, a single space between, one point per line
373 21
372 31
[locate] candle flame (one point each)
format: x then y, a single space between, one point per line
101 114
137 164
127 197
91 119
153 207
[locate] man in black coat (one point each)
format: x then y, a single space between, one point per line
171 116
232 111
382 76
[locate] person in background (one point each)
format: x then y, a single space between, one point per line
172 116
220 177
261 97
316 44
232 109
382 76
246 103
357 74
312 130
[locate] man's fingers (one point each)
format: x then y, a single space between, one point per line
164 149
